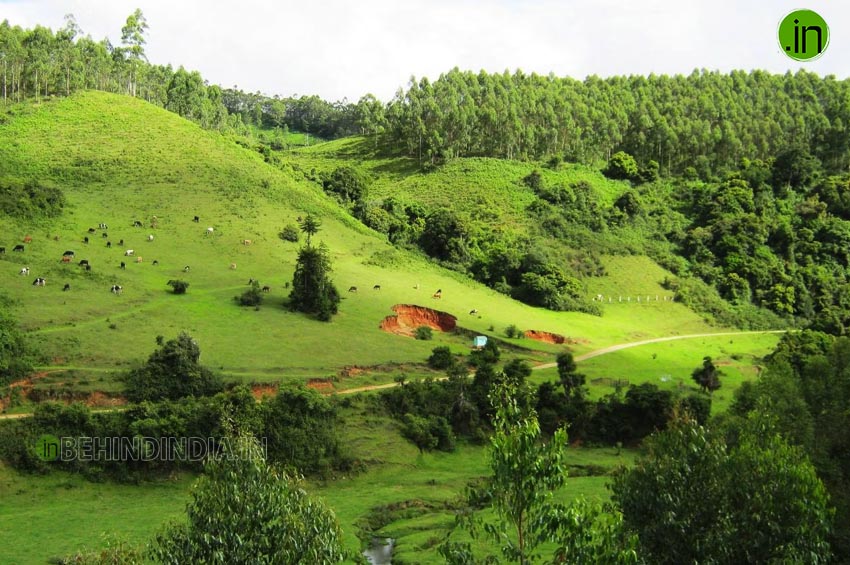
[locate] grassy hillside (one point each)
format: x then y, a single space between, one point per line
489 190
119 160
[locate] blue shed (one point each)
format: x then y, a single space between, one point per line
479 341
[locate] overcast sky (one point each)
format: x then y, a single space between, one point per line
347 48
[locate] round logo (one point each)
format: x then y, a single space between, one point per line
47 447
803 35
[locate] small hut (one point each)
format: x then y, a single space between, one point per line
479 341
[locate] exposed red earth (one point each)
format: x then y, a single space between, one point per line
408 317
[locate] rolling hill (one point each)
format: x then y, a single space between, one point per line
119 160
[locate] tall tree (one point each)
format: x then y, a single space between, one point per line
244 510
693 498
133 36
313 291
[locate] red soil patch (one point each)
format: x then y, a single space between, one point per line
549 337
98 399
261 391
409 317
321 385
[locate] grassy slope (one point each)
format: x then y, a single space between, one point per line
119 159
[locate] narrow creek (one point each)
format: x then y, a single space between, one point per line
380 552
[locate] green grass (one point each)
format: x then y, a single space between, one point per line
59 514
669 365
119 159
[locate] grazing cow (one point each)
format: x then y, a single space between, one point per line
69 254
92 230
267 288
352 289
155 263
137 224
109 245
247 242
473 312
104 235
88 267
2 250
66 259
138 259
123 265
86 239
84 262
210 231
251 281
66 287
39 282
196 219
19 248
186 269
150 237
376 287
116 289
24 271
128 252
121 243
438 294
103 226
232 266
28 239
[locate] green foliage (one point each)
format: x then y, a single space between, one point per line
173 371
251 297
525 475
423 333
707 376
30 200
428 433
441 358
513 332
300 428
313 291
245 510
16 354
178 286
621 166
693 498
289 233
347 183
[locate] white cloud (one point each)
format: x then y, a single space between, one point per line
344 48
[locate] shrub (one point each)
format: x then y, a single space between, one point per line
424 333
178 286
513 331
290 233
252 296
441 358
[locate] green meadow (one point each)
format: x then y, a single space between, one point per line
118 160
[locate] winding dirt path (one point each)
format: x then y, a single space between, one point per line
592 354
579 358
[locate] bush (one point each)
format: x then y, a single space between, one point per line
173 371
252 296
513 331
441 358
178 286
290 233
424 333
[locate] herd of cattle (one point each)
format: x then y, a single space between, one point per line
69 255
117 289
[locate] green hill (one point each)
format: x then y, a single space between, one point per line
118 160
